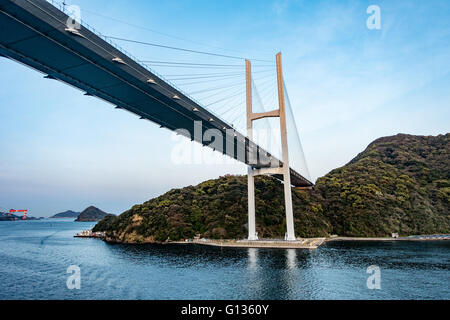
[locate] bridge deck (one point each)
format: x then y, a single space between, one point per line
35 33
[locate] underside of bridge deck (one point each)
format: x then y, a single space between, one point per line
35 33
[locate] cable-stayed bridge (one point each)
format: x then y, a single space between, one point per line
42 36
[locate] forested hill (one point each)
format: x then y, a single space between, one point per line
66 214
92 214
398 184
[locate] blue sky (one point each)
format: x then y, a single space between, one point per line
348 85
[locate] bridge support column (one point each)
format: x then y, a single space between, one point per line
284 170
290 233
252 235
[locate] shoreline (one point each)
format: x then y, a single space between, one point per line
307 243
408 238
301 243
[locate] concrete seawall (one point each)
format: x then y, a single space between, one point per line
306 243
310 243
410 238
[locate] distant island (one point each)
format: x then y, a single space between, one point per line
13 217
92 214
66 214
399 184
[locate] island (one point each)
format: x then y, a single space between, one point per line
13 217
398 185
92 214
66 214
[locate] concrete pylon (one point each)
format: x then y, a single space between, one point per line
290 234
285 169
252 235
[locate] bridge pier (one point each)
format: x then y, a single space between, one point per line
290 233
284 170
252 235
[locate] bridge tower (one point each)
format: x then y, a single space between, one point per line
284 169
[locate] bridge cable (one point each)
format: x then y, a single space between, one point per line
226 98
183 49
158 32
233 84
207 64
204 77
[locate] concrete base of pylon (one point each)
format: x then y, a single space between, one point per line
289 238
252 237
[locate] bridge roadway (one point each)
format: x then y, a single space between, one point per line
35 33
